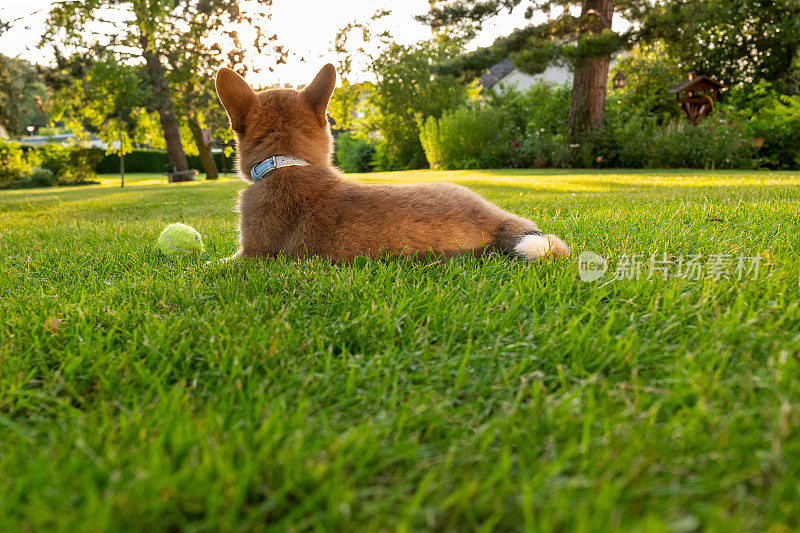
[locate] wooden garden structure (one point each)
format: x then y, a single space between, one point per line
697 96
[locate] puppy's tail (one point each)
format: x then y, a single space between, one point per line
534 245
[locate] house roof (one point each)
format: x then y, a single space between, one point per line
497 72
694 80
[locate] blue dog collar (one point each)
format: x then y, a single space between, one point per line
267 166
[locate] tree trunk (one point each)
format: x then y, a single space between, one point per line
166 111
206 157
591 76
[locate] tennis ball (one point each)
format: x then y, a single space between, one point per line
179 239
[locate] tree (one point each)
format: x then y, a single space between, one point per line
107 98
585 40
128 29
406 90
177 42
194 55
650 70
407 93
738 41
23 96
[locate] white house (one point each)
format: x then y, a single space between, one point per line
505 75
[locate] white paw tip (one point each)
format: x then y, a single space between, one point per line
539 246
533 246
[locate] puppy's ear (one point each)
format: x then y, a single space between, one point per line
236 96
319 91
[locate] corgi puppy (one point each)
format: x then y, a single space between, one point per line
299 204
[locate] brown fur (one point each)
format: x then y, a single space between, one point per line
313 209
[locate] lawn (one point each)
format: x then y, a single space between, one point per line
142 393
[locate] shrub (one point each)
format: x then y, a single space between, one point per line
43 177
155 161
640 143
380 161
195 162
777 122
353 154
468 137
13 164
712 144
54 157
81 167
136 161
40 177
541 108
409 88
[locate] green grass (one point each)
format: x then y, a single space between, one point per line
463 394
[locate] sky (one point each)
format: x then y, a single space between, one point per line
306 27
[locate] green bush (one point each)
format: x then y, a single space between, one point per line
43 177
136 161
776 120
712 144
353 154
40 177
380 161
650 72
82 166
155 161
468 137
409 89
13 164
52 156
194 162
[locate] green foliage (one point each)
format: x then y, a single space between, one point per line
468 137
711 144
136 161
66 165
580 32
40 177
535 59
353 154
528 129
52 156
108 99
156 161
591 46
650 73
407 91
774 119
43 177
24 97
529 53
13 164
82 165
380 161
737 41
778 123
542 108
503 133
350 106
46 166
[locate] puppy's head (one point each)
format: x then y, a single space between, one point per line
280 121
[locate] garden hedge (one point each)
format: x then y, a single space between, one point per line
154 161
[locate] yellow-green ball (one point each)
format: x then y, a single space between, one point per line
177 239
